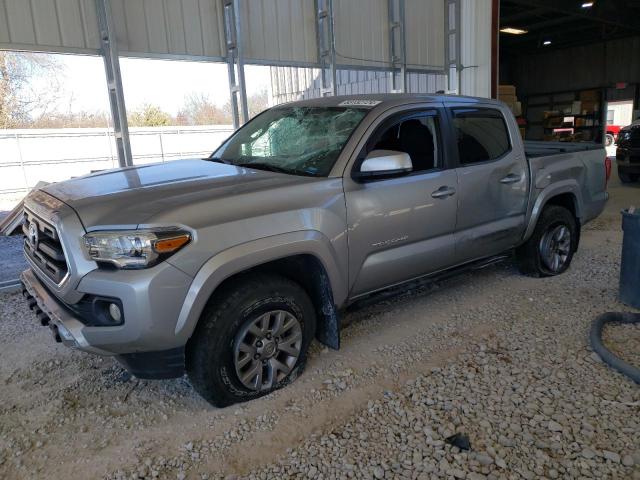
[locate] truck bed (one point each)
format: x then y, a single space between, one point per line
534 149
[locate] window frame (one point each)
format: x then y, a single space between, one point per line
402 116
454 133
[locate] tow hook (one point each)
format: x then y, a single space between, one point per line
42 317
55 333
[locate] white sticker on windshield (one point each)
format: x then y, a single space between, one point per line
359 103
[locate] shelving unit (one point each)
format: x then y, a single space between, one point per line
543 112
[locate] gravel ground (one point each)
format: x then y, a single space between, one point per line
493 355
624 341
11 260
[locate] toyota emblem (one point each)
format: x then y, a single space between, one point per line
33 234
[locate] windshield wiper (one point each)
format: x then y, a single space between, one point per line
264 166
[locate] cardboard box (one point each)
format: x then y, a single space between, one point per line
590 95
507 98
589 107
506 90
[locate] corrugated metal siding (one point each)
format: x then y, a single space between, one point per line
275 31
475 78
424 27
53 25
362 32
291 83
279 31
169 27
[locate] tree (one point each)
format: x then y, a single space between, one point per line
199 109
257 103
29 87
149 116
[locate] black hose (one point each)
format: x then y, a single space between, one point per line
605 354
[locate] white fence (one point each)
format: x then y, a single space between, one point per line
29 156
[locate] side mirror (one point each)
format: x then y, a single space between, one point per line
381 164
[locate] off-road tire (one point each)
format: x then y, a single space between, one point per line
210 351
529 257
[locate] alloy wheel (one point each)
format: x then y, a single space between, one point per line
266 349
555 247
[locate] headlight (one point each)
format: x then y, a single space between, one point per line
135 248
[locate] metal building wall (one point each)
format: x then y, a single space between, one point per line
573 68
290 83
279 31
425 25
362 32
165 28
475 77
54 25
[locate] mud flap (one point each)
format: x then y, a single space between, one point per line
328 326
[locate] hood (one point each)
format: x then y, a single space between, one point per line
130 196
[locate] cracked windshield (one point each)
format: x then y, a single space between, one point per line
294 140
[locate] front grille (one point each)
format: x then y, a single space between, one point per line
42 246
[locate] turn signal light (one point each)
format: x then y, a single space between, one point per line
168 245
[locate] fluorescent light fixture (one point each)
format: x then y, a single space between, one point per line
547 42
587 4
513 31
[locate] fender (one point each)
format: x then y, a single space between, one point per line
252 254
557 188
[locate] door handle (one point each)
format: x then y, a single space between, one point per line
511 178
444 192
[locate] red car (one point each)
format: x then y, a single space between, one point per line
611 135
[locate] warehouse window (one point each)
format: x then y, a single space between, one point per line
482 135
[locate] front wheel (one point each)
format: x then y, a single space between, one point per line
550 248
252 339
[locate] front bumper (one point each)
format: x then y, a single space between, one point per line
56 316
146 343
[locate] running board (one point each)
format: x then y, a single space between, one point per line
427 280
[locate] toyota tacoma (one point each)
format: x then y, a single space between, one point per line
226 268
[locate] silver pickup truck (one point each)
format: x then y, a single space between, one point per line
227 267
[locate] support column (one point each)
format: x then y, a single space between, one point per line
326 40
397 46
109 50
452 45
235 62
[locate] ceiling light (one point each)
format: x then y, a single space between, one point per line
513 31
587 5
547 42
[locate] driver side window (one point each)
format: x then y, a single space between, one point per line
415 134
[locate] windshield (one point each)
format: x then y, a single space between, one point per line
296 140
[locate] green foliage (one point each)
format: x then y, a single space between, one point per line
149 116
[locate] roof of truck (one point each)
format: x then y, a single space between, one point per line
386 100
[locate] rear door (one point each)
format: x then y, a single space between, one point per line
492 182
402 228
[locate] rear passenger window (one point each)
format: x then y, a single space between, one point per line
482 134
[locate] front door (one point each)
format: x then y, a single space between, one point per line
402 228
492 184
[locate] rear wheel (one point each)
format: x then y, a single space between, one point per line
550 248
626 177
252 339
